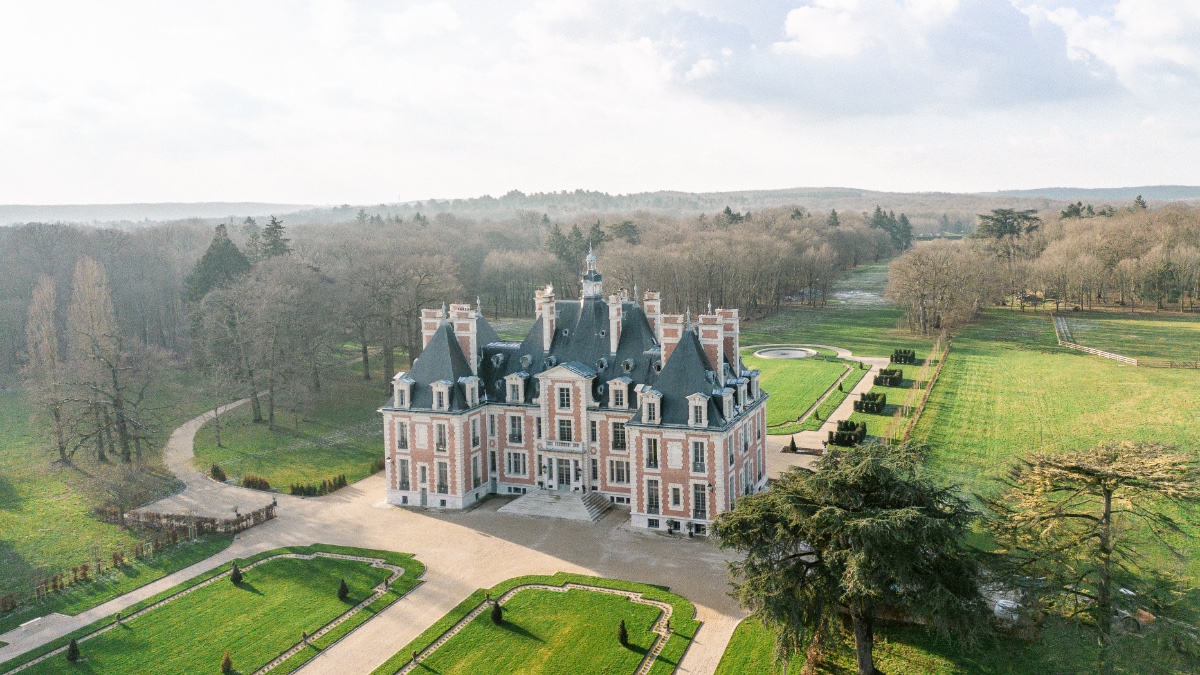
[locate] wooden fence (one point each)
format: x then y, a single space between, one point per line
1065 339
916 416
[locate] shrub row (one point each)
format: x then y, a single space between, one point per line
889 377
255 482
904 356
848 433
317 489
871 403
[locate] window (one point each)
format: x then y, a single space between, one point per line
401 435
698 448
699 501
400 398
491 426
517 464
476 477
424 471
595 469
618 436
440 439
675 496
565 431
441 400
652 504
564 398
651 411
538 428
594 432
443 478
651 453
618 471
492 463
474 432
402 474
541 466
618 397
515 430
652 523
514 393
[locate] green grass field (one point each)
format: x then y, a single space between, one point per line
255 621
549 632
826 408
794 384
554 632
344 435
1142 336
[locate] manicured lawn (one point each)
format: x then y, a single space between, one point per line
826 408
794 384
255 621
549 632
1152 336
80 597
343 435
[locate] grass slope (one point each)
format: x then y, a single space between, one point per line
233 599
794 384
548 632
683 622
344 435
1154 336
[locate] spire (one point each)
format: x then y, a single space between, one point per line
479 304
591 279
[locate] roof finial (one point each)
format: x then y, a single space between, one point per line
444 314
688 322
635 295
710 305
479 304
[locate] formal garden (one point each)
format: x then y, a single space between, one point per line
276 608
553 624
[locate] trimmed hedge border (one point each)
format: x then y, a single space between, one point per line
683 622
413 570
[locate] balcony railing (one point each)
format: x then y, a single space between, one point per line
699 514
515 438
563 446
443 489
439 447
699 467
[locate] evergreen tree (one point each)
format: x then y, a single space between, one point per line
73 651
343 591
227 663
623 634
236 575
253 234
273 242
220 264
1139 203
833 220
497 613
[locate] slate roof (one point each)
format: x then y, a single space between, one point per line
687 372
442 360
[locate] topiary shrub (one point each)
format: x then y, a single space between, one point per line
217 474
343 591
904 356
255 482
226 663
871 403
623 634
236 575
889 377
73 651
497 613
848 433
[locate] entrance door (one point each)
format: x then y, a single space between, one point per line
563 474
424 497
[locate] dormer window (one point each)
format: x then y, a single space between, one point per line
651 411
697 410
402 389
440 403
619 392
441 395
514 392
516 387
401 398
564 398
618 397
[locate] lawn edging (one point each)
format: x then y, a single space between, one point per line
404 560
683 622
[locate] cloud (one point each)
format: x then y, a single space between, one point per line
425 20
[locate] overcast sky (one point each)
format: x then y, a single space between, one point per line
365 102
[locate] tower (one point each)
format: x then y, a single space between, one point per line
591 278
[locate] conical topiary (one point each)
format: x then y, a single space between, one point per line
226 663
343 591
73 651
236 575
623 634
497 613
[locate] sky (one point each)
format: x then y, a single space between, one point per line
333 101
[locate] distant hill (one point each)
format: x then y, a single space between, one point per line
22 213
1156 192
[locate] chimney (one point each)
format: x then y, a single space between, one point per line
464 320
732 326
712 339
547 311
614 322
670 334
430 320
652 305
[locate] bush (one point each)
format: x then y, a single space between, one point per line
904 356
236 575
889 377
73 651
848 433
623 634
318 489
217 474
226 663
871 403
497 613
255 482
377 465
343 591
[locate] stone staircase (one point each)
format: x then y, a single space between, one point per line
579 506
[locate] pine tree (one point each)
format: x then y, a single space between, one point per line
273 242
220 264
252 232
343 591
833 220
236 575
73 651
623 634
497 613
227 663
1139 203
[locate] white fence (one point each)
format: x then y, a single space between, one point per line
1066 339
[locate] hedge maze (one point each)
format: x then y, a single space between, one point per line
871 402
889 377
848 433
904 356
